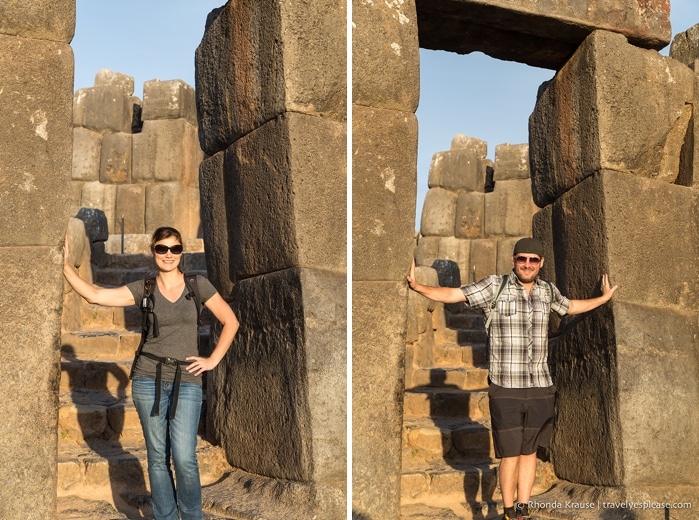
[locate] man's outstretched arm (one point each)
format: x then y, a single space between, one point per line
438 294
580 306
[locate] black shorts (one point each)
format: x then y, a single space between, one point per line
521 419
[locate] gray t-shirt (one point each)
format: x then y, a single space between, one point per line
177 326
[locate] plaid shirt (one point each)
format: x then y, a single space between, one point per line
518 335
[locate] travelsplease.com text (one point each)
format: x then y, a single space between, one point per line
568 504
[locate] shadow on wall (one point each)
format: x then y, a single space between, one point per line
102 427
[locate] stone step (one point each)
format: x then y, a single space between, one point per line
452 355
446 402
112 471
441 481
447 439
463 378
103 376
460 336
99 318
440 509
77 508
91 421
91 345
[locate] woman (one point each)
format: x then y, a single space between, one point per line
175 339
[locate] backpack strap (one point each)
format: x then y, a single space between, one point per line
493 305
190 280
147 304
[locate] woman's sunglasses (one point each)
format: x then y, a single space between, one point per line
163 249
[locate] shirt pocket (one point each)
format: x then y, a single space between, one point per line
542 304
507 305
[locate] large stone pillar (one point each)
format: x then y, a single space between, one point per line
271 104
36 91
609 138
384 129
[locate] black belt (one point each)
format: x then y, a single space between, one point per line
158 371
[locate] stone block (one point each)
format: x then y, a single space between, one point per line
419 307
434 176
168 204
87 151
108 78
470 215
592 228
505 248
214 218
542 34
96 195
195 227
76 188
131 203
278 60
509 209
483 259
385 48
36 158
173 99
581 124
30 320
601 364
166 150
378 347
457 250
286 182
439 213
115 164
383 187
293 421
648 407
427 250
685 47
105 108
511 162
39 19
463 167
95 224
542 229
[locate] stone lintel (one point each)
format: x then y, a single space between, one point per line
538 35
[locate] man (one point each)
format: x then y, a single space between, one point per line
521 392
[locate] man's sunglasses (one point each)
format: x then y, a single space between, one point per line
534 260
162 249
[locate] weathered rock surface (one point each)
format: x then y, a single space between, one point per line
39 19
292 420
603 111
257 82
385 148
273 179
542 34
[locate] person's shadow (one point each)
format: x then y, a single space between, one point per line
89 385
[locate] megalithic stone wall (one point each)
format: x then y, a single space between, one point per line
137 159
610 140
384 129
475 210
36 90
271 104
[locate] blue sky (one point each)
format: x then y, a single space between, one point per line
473 94
146 39
487 98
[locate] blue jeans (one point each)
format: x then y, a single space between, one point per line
167 437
